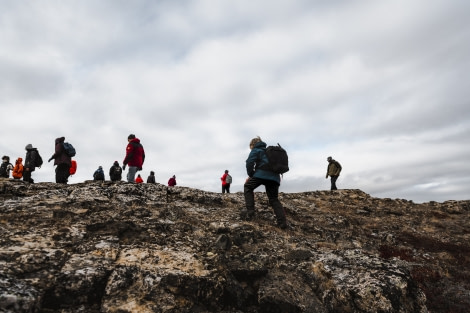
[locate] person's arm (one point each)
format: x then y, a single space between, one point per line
129 153
251 163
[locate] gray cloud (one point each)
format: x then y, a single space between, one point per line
381 86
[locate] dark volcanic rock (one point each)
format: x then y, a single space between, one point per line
105 247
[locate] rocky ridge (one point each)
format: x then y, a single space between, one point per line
120 247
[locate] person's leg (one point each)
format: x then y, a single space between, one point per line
26 175
62 173
131 174
272 191
250 185
223 189
228 188
333 182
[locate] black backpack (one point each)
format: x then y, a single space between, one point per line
69 149
278 159
37 160
116 172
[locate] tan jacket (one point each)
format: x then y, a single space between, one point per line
334 168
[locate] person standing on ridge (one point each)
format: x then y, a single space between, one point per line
333 170
62 160
226 181
139 179
151 178
32 160
135 157
258 175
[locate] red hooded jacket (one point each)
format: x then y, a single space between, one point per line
135 154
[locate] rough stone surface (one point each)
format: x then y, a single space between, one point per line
120 247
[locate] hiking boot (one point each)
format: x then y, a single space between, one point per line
282 225
247 215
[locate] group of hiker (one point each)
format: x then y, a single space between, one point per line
115 174
62 157
134 160
264 166
32 160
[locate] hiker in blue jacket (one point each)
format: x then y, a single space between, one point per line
256 168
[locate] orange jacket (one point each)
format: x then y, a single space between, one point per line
18 169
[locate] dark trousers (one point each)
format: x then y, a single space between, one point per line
226 188
27 176
333 182
272 191
62 173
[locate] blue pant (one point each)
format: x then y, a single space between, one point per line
131 174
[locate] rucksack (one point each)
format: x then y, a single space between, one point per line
278 159
228 179
116 172
38 160
73 167
69 149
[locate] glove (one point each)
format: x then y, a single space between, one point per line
124 167
50 159
139 169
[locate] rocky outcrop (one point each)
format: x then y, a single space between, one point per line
120 247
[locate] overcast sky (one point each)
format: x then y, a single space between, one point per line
381 86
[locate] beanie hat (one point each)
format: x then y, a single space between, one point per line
29 146
131 136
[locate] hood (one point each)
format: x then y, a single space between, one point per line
260 145
136 140
60 139
19 160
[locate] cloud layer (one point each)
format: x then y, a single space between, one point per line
380 86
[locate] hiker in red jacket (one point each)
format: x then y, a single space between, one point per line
139 179
135 157
226 181
172 181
